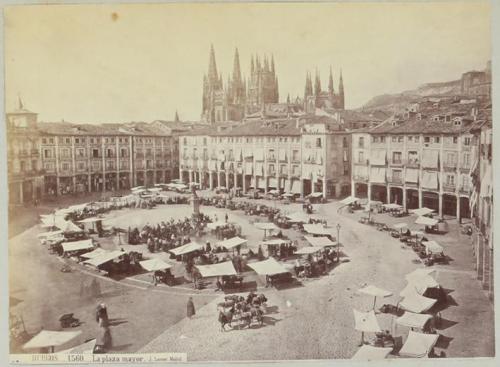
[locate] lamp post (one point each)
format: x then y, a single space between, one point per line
338 242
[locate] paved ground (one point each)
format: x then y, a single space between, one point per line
313 320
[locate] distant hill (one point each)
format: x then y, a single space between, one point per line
395 101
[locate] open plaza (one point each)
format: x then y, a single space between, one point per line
328 286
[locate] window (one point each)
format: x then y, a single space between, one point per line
68 141
96 165
23 166
271 155
396 157
65 153
437 139
361 142
455 140
416 138
345 155
400 139
466 161
47 153
271 169
296 170
346 170
410 138
44 141
49 166
375 139
394 139
109 153
123 152
465 182
412 157
396 176
457 122
382 139
450 180
51 140
95 153
318 142
295 155
81 166
467 141
184 141
283 170
65 166
451 159
344 142
361 157
427 139
80 152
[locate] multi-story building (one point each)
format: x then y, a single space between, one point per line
301 156
482 207
25 174
420 158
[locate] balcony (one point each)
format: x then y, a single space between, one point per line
359 178
395 180
465 190
413 163
449 187
362 162
450 165
271 159
397 162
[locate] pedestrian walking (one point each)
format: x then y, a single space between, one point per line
227 217
190 308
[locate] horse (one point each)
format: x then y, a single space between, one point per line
225 304
259 300
233 297
225 317
253 313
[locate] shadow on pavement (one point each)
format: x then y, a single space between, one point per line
117 321
445 324
443 342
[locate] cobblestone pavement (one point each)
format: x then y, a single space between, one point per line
313 320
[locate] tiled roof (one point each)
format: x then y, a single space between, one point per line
66 128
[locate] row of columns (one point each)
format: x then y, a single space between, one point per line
191 179
404 200
483 254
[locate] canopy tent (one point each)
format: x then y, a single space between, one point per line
104 258
349 200
274 192
92 254
266 226
85 348
276 242
418 345
155 189
417 233
216 225
419 285
77 245
216 270
316 229
370 353
268 267
374 291
155 264
308 250
48 338
51 220
315 195
78 207
138 188
366 321
298 217
432 247
426 221
422 211
232 242
186 249
90 220
400 225
392 206
49 234
413 320
62 212
416 303
320 241
67 226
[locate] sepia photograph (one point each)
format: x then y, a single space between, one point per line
249 182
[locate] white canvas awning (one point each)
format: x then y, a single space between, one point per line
92 254
316 229
77 245
320 241
419 273
430 158
374 291
155 264
216 270
248 168
67 226
432 247
298 217
259 154
429 180
426 221
392 206
411 175
259 169
186 249
232 242
377 174
417 303
308 250
316 195
422 211
366 321
276 242
378 157
138 188
370 353
268 267
85 348
400 225
216 225
418 345
48 338
349 200
268 226
104 258
49 234
78 207
413 320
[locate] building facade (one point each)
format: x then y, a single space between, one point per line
423 158
300 156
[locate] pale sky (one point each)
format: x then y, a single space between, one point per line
82 64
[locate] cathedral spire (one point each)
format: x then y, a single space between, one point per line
330 83
317 84
272 64
341 91
20 103
252 66
212 67
308 87
176 119
236 67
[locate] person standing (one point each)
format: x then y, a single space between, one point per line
190 308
